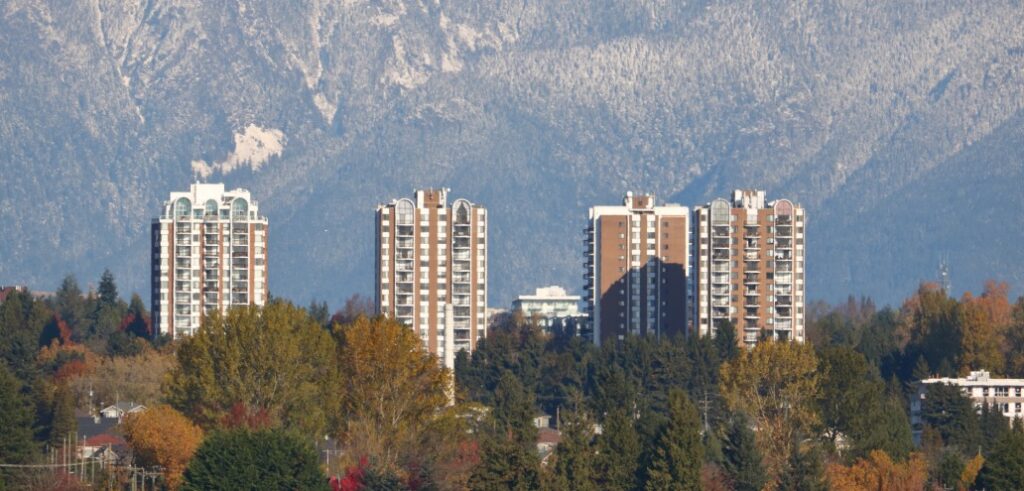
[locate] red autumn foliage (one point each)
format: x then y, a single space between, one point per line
138 325
353 479
242 416
56 330
70 370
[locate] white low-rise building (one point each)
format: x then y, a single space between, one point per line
1004 394
552 304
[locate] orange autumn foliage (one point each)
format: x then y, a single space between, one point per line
161 436
879 473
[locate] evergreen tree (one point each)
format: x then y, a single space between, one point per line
679 453
69 303
993 424
946 472
618 452
16 443
726 340
107 290
574 456
921 369
375 479
22 321
1004 465
508 457
805 470
265 459
62 415
742 460
952 413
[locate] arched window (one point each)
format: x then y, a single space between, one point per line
406 212
783 207
719 212
182 208
211 207
239 208
461 211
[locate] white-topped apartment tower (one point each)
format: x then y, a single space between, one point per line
749 267
209 254
637 266
432 269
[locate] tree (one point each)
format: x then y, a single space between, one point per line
980 337
1004 467
726 340
804 470
16 443
355 306
22 321
392 389
62 422
69 303
274 359
741 459
878 471
618 452
679 453
776 385
929 326
1015 340
125 378
508 459
992 424
574 456
242 460
947 410
161 436
107 290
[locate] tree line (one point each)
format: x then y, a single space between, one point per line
303 399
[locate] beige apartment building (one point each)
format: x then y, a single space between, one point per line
749 267
1001 394
209 254
432 269
637 266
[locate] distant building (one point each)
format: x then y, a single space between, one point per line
636 269
6 290
432 269
749 267
209 254
1002 394
552 305
121 409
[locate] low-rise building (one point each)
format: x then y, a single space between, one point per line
1004 394
552 305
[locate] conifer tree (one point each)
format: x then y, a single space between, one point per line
805 470
508 457
574 456
742 460
1004 465
618 452
679 454
16 443
62 421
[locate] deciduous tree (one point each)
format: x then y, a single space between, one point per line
392 390
274 358
879 472
776 385
161 436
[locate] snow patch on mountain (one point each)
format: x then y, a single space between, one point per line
253 148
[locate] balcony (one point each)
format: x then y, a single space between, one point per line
720 268
404 231
750 244
751 292
750 256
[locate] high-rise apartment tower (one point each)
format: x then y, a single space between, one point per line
749 267
432 269
209 254
637 264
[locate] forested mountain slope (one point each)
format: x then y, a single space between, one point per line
899 126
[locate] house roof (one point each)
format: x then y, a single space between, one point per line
549 435
89 426
104 439
125 407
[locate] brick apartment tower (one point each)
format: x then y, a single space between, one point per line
209 254
636 269
749 267
432 270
